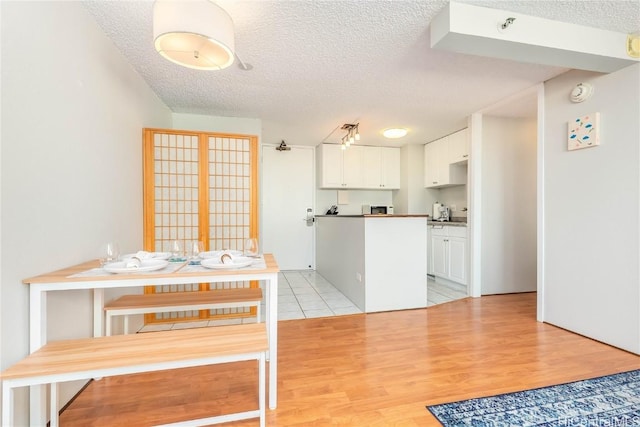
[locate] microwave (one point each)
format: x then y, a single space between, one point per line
377 210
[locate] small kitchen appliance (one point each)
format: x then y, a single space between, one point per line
377 210
440 212
436 211
444 213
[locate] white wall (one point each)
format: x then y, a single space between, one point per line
412 197
72 114
592 211
508 223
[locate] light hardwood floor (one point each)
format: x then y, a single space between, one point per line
368 369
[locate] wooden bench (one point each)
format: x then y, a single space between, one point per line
87 358
180 301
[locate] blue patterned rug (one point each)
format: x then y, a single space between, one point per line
612 400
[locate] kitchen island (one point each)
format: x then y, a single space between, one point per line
378 261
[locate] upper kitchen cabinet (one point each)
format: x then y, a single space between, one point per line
382 168
340 168
459 146
439 170
435 156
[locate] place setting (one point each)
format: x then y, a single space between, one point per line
133 263
196 259
140 262
226 259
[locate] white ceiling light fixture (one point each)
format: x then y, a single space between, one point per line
195 34
394 133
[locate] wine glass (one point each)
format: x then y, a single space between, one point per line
111 253
251 247
177 250
197 247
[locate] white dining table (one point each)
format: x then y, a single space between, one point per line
89 275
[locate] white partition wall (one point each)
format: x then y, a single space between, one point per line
592 210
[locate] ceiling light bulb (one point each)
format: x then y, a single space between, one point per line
351 139
394 133
357 135
343 146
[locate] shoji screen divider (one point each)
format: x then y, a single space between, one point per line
199 186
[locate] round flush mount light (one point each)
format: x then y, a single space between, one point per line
195 34
394 133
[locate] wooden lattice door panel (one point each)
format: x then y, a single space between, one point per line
232 194
199 186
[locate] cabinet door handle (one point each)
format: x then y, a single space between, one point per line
465 155
435 182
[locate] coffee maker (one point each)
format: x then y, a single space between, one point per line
440 212
444 213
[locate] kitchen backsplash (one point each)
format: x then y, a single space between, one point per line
356 198
449 196
454 196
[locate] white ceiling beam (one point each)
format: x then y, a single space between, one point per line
475 30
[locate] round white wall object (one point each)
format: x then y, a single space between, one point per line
581 92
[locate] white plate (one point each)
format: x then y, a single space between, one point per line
237 262
217 254
145 265
152 255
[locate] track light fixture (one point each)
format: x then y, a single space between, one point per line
353 134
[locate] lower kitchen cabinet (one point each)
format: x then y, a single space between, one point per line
449 253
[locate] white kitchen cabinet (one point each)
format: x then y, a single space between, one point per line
458 145
382 168
433 161
449 253
439 172
390 167
439 255
340 168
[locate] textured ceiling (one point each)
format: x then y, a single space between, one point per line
319 64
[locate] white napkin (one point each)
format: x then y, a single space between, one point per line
143 255
226 257
133 262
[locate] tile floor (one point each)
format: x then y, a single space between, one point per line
438 293
306 294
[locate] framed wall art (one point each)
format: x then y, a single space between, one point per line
584 132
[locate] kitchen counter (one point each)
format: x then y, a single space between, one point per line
376 216
454 223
